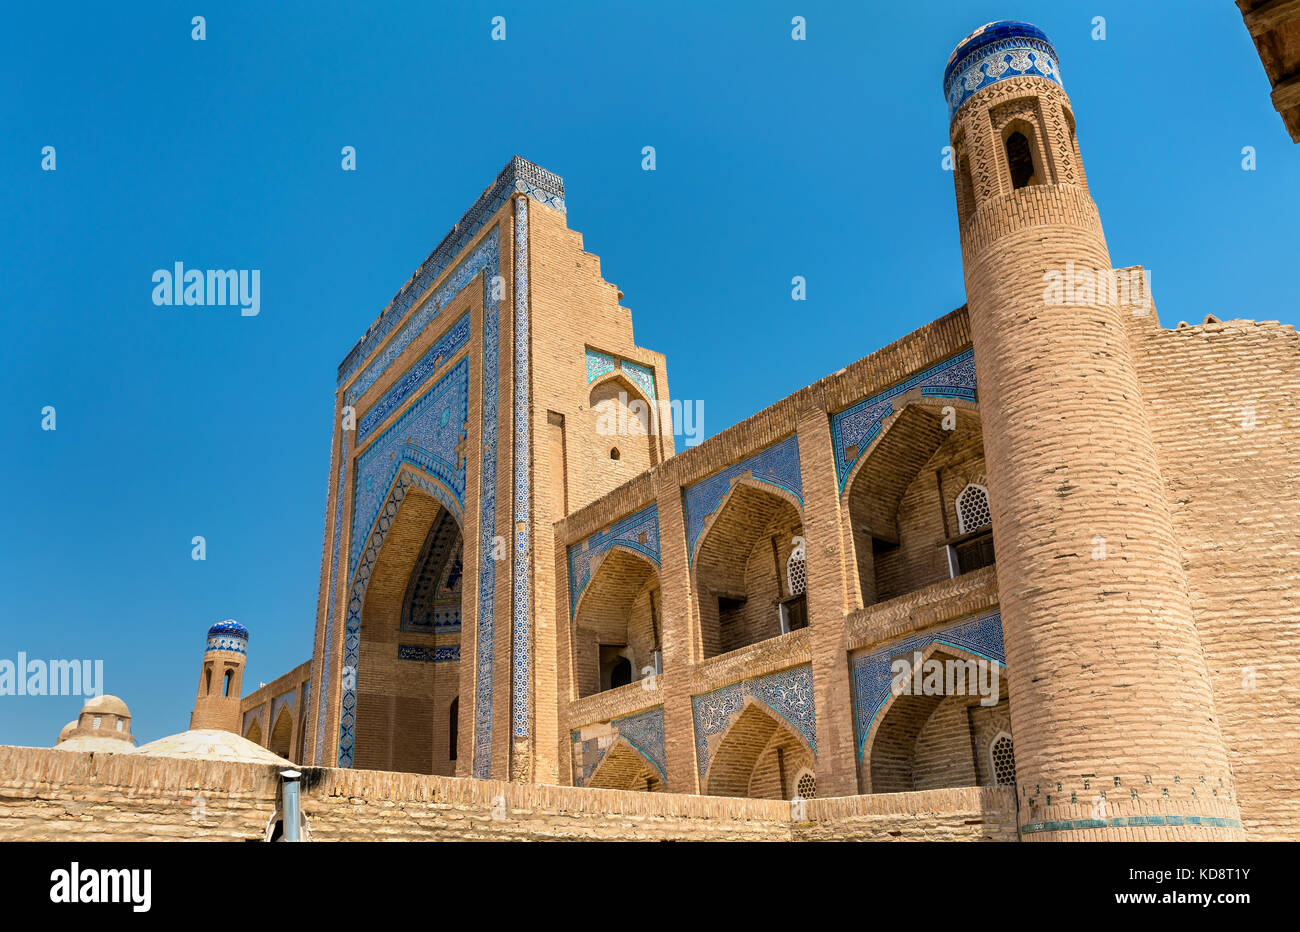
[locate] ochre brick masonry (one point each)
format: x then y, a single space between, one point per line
48 795
1097 514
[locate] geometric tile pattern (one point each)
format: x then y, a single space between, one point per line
643 730
482 264
638 532
446 346
519 175
643 377
426 435
872 673
997 52
521 639
853 429
788 693
408 477
485 632
327 650
776 465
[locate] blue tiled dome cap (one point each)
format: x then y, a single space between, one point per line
1025 50
228 629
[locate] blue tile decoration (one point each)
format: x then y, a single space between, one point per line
643 730
638 532
327 647
254 715
788 693
438 355
485 632
776 465
288 700
1072 825
643 377
519 176
446 654
858 425
872 676
997 52
601 364
408 477
227 635
521 637
426 435
598 364
481 264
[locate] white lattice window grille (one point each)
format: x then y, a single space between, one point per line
805 786
973 509
95 723
1002 759
796 576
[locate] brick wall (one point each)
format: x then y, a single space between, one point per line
47 794
1224 400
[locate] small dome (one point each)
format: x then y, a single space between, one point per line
211 744
97 745
67 730
106 705
997 52
228 628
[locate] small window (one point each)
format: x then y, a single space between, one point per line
1002 757
796 577
973 508
1020 160
119 724
453 728
965 189
794 614
95 723
613 453
806 785
225 686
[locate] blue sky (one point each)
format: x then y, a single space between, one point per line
775 158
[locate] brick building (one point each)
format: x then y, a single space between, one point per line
1045 489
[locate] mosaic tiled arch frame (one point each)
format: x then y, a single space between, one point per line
860 424
605 367
787 694
624 535
644 733
871 675
408 476
774 469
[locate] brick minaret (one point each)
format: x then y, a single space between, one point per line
1111 704
222 677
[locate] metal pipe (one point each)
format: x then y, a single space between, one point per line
291 805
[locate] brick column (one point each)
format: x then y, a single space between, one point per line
828 594
678 635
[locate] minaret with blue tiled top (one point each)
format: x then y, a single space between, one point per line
221 678
1111 705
